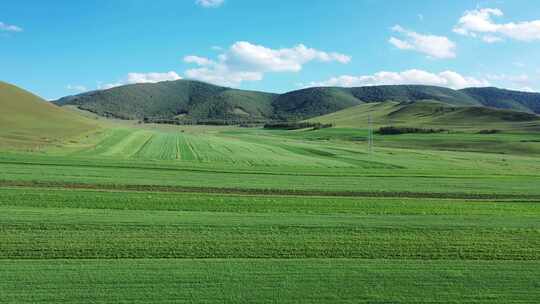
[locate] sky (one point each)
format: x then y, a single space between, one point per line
64 47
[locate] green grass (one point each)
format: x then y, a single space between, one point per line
146 213
327 161
269 281
29 122
88 224
430 114
192 247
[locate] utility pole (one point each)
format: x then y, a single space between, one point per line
370 135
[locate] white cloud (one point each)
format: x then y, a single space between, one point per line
245 61
152 77
4 27
439 47
480 23
491 39
202 61
220 75
448 79
400 44
210 3
133 78
76 88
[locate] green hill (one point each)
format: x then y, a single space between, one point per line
506 99
431 114
313 102
319 101
183 99
194 101
29 121
411 93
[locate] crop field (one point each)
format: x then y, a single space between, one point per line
220 153
134 214
134 246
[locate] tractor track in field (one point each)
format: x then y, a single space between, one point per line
269 192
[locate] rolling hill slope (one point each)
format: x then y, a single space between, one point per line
28 121
432 114
188 100
411 93
194 101
506 99
313 102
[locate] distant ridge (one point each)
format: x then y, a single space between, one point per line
188 100
432 114
506 99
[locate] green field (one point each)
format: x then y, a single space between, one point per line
152 246
134 213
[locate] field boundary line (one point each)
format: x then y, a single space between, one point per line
251 172
269 192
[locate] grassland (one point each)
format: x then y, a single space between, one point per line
145 213
432 114
27 121
269 281
159 247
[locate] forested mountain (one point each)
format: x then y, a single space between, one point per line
198 102
506 99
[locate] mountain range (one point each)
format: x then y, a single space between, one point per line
27 120
194 101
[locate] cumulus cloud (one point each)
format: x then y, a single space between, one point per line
479 23
133 78
4 27
448 79
202 61
245 61
152 77
210 3
438 47
491 39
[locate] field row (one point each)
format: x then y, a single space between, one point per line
269 281
179 146
332 148
80 224
65 173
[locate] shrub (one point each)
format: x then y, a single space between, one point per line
491 131
296 125
391 130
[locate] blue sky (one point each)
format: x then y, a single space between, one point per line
63 47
